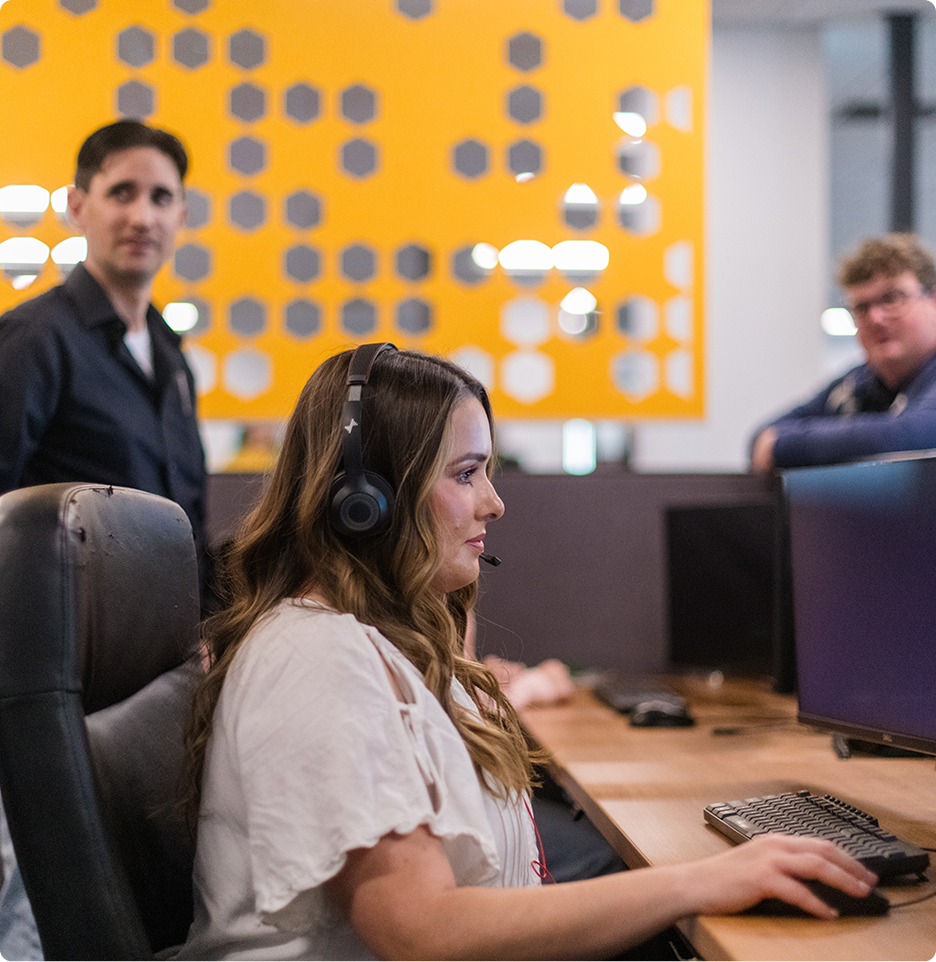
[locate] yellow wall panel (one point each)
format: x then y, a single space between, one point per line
441 74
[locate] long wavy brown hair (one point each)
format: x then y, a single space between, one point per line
287 548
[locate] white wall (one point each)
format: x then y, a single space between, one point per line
767 239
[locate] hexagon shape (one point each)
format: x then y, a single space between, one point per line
525 104
580 216
526 261
247 317
470 158
465 268
635 374
678 373
301 103
636 10
528 376
190 48
247 102
359 157
640 100
415 9
135 47
413 316
678 102
24 205
580 9
358 262
191 6
580 207
476 362
525 157
525 51
678 314
247 210
525 321
413 263
358 316
192 262
247 155
136 100
203 310
639 318
198 208
302 263
247 49
247 374
303 210
191 316
358 104
204 367
642 218
578 327
20 47
303 319
78 7
677 264
639 159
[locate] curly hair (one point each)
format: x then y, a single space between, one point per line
889 255
287 548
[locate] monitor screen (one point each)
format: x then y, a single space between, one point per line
721 562
863 567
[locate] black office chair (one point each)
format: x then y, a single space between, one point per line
99 617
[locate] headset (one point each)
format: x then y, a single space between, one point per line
360 501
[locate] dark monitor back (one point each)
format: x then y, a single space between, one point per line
722 566
863 562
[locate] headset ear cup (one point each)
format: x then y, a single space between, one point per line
361 506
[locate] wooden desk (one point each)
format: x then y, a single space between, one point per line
646 790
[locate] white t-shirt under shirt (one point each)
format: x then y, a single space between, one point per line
313 754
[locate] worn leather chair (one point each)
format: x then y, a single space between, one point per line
99 613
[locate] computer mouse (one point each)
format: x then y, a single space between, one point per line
874 903
660 714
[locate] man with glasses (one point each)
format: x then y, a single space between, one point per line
887 404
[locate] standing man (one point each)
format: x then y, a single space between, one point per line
93 383
887 404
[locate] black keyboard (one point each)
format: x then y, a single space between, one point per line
624 692
819 816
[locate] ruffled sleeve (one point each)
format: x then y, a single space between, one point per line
330 759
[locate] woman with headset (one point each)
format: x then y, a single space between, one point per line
361 787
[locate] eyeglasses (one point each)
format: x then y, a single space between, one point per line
893 302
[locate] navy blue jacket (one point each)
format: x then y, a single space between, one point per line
76 406
857 417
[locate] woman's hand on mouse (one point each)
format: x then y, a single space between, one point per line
773 866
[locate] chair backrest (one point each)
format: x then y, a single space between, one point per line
99 613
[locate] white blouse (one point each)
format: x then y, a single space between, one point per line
313 754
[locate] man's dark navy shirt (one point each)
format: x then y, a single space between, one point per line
76 406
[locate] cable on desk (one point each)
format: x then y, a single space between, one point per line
756 726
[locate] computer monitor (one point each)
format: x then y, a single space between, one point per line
863 568
721 573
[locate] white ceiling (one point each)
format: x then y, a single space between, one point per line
811 11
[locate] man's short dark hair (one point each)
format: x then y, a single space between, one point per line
889 255
124 135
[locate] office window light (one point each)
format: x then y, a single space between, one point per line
581 256
838 322
578 446
485 256
181 315
631 123
526 255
